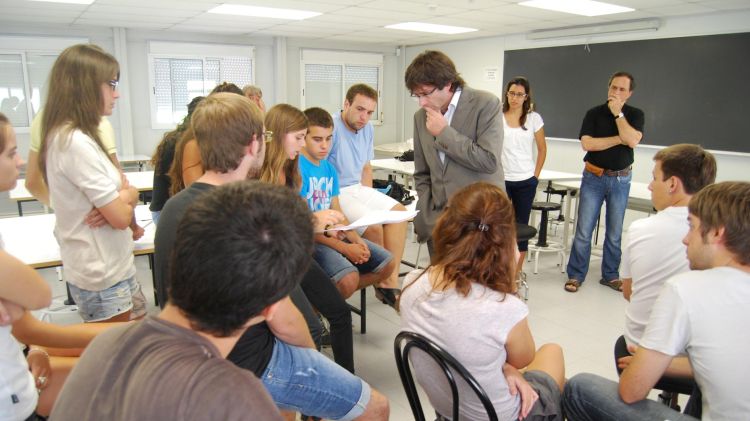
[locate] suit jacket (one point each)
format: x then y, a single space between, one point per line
473 144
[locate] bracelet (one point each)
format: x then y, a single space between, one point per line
38 350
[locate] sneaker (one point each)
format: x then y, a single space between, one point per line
325 338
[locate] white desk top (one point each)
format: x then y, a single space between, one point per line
396 148
133 159
31 238
141 180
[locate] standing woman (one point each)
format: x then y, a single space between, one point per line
464 302
85 185
523 128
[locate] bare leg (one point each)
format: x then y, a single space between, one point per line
367 279
61 367
393 238
377 409
519 265
349 284
549 359
122 317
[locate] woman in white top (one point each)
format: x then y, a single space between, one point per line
523 128
464 302
93 201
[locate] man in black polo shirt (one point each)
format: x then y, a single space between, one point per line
609 134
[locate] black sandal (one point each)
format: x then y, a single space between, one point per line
388 296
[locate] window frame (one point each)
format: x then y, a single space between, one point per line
190 51
343 59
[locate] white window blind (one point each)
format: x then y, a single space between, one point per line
177 77
327 75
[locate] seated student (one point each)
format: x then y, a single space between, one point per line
464 302
20 288
351 261
697 313
652 248
173 366
229 131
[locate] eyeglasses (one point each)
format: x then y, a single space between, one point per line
267 136
413 95
114 83
512 94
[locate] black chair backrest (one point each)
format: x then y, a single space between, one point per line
447 363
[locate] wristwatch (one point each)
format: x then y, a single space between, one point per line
619 115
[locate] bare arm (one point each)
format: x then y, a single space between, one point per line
541 148
366 175
644 371
594 144
289 326
630 136
30 330
192 166
119 212
22 285
520 345
35 180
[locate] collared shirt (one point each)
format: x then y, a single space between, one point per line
449 116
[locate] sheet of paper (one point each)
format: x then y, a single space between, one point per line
378 217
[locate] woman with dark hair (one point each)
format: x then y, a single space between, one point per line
523 128
162 161
465 303
82 177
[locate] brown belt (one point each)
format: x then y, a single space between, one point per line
599 171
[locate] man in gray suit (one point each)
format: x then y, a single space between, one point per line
458 136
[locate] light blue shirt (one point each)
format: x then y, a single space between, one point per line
350 151
320 184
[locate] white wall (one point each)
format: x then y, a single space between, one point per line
473 56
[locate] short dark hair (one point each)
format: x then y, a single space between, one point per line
432 68
361 89
693 165
726 205
227 87
223 125
239 248
317 116
622 74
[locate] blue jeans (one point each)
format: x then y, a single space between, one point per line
521 194
336 265
588 397
614 191
305 381
95 306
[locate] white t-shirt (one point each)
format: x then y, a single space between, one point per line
518 148
652 252
473 329
81 177
705 314
18 395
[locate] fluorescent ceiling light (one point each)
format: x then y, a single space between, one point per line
430 27
595 30
263 12
578 7
66 1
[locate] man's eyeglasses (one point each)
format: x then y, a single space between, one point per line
267 136
512 94
415 95
113 83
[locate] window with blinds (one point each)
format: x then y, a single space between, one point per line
177 78
23 80
327 75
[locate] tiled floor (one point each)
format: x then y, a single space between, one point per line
585 324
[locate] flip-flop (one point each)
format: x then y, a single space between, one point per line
615 284
388 296
572 285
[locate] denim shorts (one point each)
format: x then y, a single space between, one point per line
305 381
95 306
336 265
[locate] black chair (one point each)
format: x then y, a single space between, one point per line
361 311
449 366
542 245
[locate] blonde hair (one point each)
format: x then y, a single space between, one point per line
74 100
282 119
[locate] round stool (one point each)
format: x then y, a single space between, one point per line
562 193
524 233
542 245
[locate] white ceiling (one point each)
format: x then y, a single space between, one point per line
342 20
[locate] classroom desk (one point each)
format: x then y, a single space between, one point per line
395 149
143 181
31 238
140 160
